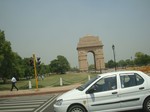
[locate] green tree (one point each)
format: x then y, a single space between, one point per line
28 69
129 62
91 67
6 58
110 64
17 66
141 59
44 69
122 63
74 69
59 65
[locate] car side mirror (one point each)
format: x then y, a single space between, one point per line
91 90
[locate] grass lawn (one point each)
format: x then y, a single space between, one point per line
52 80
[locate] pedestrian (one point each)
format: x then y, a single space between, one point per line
42 77
13 80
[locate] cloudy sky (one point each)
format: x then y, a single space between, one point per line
53 27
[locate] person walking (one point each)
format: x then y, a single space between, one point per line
13 80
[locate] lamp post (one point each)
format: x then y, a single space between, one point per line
113 48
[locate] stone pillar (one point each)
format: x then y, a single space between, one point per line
82 57
100 64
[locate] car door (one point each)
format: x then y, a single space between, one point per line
105 95
132 90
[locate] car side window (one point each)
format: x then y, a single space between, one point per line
106 84
130 80
139 79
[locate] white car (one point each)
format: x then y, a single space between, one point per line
109 92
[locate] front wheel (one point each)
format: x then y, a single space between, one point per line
147 105
77 108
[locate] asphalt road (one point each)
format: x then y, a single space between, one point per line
37 103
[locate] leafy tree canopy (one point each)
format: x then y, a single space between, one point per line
6 57
141 59
59 65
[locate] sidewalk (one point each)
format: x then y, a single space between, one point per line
45 90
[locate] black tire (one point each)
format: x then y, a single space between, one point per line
77 108
146 105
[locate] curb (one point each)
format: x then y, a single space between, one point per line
40 91
35 93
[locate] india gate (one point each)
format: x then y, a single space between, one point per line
91 44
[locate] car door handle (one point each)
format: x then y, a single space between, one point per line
114 92
141 88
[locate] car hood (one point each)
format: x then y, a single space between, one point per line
73 94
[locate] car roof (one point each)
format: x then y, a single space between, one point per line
117 72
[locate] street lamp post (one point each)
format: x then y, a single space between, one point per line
113 48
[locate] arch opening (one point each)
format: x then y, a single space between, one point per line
91 61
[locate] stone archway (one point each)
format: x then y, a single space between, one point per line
91 44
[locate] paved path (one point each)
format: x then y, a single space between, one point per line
36 92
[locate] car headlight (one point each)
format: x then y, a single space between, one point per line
59 102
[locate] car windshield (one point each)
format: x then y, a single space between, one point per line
82 87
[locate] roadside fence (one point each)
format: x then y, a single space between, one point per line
59 82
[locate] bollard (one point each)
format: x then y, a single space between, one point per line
61 82
30 85
89 77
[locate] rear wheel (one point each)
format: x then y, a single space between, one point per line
77 108
147 105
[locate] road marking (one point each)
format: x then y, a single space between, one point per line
50 100
23 101
49 103
18 110
22 106
27 104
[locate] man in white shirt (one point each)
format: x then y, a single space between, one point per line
13 80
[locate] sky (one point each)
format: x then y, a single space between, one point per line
48 28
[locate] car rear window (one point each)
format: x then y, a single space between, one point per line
130 80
